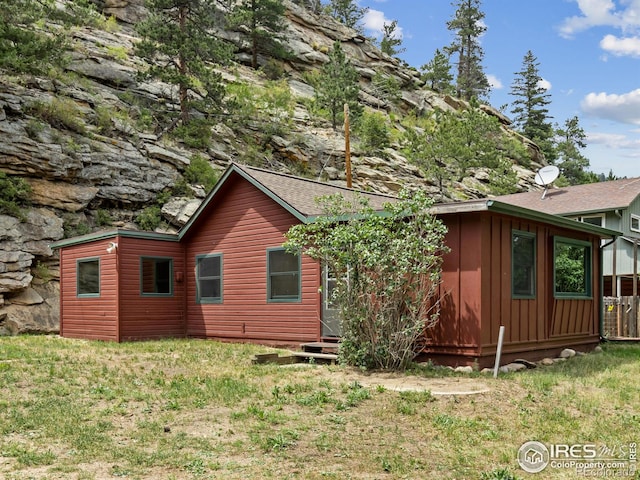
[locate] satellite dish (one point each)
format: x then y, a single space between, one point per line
546 176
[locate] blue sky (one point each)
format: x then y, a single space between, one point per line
588 53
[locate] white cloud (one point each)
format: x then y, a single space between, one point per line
546 84
374 21
495 82
611 140
623 108
629 46
602 13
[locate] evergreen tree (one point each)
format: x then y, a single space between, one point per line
529 109
572 164
468 28
347 12
264 20
177 42
390 42
337 85
24 49
437 73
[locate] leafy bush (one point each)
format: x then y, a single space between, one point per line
195 134
14 193
200 172
150 218
387 267
103 218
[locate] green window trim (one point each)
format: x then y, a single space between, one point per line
156 276
284 284
572 268
524 275
214 279
86 285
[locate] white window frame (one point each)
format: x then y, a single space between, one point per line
634 217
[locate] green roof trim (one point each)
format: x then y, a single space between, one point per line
496 206
522 212
92 237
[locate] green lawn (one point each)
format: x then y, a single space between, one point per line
194 409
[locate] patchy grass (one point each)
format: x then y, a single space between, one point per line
192 409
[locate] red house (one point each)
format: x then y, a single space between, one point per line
226 276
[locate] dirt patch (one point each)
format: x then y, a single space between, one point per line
458 385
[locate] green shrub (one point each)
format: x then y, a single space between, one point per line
103 218
195 134
150 218
373 132
200 172
14 193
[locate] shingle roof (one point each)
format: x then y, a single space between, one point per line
300 193
590 198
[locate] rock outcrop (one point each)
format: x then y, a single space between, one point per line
92 162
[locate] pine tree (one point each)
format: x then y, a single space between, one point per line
177 43
264 20
390 42
437 73
573 165
468 27
529 109
24 49
347 12
337 85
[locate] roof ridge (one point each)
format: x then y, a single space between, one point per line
316 182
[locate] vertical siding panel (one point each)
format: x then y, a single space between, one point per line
495 282
446 331
510 317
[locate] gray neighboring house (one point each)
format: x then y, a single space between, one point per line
614 205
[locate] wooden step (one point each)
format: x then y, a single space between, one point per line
328 357
320 347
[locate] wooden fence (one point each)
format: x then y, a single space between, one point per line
619 318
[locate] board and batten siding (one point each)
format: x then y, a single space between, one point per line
143 316
241 226
93 318
477 293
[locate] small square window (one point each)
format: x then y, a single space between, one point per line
635 223
572 268
88 277
156 276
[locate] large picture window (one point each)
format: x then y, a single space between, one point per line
209 278
283 276
523 264
572 268
88 277
156 275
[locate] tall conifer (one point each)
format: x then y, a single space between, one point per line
467 25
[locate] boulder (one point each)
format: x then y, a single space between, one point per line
61 195
567 353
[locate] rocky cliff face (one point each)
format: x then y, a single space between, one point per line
93 164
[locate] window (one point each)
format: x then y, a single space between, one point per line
523 264
572 268
635 223
283 276
597 220
209 278
88 277
156 276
